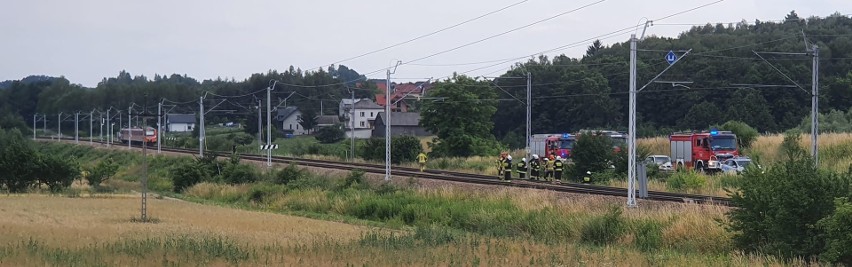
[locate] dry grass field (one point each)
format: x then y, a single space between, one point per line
38 230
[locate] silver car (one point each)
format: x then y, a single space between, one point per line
663 162
735 165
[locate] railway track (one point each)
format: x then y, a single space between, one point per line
466 177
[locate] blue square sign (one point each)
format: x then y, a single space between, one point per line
671 57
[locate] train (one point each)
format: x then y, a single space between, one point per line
137 135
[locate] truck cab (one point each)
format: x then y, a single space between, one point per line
703 151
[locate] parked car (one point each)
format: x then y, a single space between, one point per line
736 165
663 162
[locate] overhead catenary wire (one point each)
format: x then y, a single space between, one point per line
428 34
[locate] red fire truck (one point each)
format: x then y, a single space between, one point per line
703 151
553 144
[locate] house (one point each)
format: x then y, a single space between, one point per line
345 106
365 113
289 118
327 120
180 122
402 123
402 94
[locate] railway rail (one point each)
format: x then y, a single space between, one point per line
465 177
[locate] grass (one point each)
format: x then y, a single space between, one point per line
417 226
40 230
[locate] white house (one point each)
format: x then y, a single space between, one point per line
365 114
180 122
289 118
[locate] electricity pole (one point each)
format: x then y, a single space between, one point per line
59 127
352 126
129 126
34 125
269 124
815 107
631 128
529 115
108 122
91 126
259 125
77 127
387 123
200 126
159 125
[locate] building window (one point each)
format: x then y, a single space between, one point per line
362 115
291 126
362 124
371 114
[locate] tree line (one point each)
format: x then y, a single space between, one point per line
722 80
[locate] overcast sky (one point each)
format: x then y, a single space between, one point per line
86 40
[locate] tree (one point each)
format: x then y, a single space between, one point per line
331 134
751 107
57 173
18 162
403 149
745 134
186 174
778 210
700 116
308 120
462 121
592 152
838 233
594 48
103 171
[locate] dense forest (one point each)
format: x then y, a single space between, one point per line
726 81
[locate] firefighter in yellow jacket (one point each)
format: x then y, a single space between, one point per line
421 159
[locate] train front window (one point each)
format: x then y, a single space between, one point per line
149 133
566 144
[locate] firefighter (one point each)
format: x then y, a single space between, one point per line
557 168
421 159
588 177
522 168
507 169
548 169
500 161
535 167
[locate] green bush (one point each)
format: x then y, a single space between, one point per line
354 179
745 133
777 210
104 170
239 174
619 160
592 152
688 181
187 174
57 173
19 166
288 174
604 229
648 235
838 233
331 134
403 149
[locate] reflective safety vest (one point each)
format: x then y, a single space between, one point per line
534 164
421 158
549 165
558 165
522 167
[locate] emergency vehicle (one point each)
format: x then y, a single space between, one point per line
703 151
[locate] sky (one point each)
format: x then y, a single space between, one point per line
87 40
